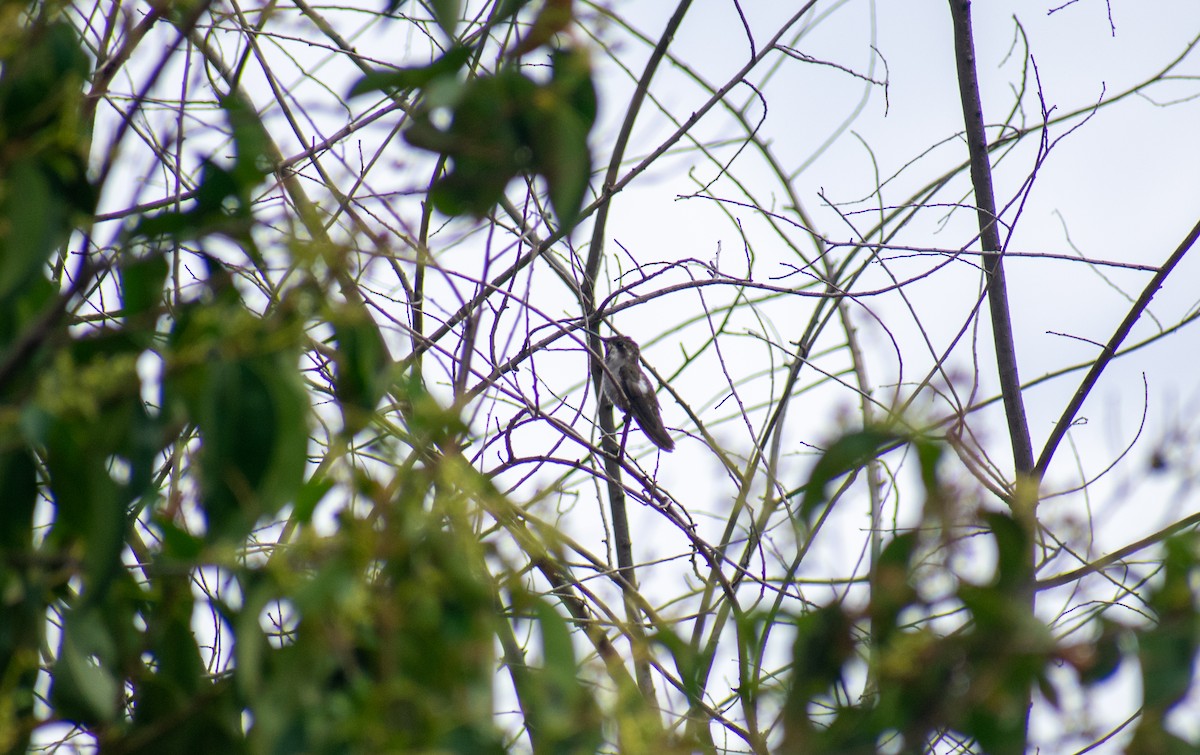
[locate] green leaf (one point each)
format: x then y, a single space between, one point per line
848 453
209 213
404 79
929 454
223 197
142 286
43 170
558 651
83 688
561 155
891 588
43 83
177 707
561 714
822 646
572 79
18 480
447 14
1152 738
251 647
21 309
253 423
311 493
691 666
1014 553
252 144
505 125
363 365
428 421
1100 660
33 223
89 506
23 594
235 376
178 543
1168 649
486 142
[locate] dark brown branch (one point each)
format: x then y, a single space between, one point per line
1110 350
989 231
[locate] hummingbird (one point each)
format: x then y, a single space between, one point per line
627 387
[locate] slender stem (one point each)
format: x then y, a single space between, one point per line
989 237
1110 351
1025 495
623 542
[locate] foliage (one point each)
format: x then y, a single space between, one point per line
232 521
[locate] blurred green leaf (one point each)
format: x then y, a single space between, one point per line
84 459
39 196
447 14
142 285
691 666
505 125
311 493
235 376
43 170
558 124
484 141
31 224
362 367
1151 738
23 600
1168 649
561 714
1098 661
1014 553
89 507
823 645
214 205
404 79
178 544
557 650
561 155
18 480
252 144
239 433
502 10
891 587
929 456
848 453
252 417
251 649
83 688
41 82
177 706
429 422
572 81
222 200
21 309
553 17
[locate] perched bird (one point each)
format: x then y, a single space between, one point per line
628 388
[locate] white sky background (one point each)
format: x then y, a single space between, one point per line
1123 186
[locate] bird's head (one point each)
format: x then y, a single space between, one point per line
620 346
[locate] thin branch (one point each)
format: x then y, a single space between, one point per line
1110 350
989 230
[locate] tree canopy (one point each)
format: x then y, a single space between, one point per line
302 313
